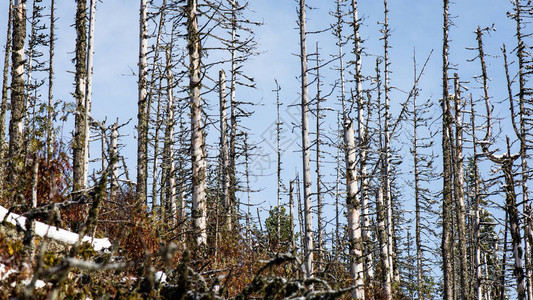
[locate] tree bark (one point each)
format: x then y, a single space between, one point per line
3 104
199 212
80 126
447 164
224 151
170 176
308 230
142 113
16 125
362 137
459 191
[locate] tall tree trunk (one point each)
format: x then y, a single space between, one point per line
308 230
506 162
387 150
224 151
142 113
383 244
170 176
199 213
522 54
278 136
233 106
459 191
80 126
50 108
320 240
3 104
362 137
16 141
447 164
477 246
89 89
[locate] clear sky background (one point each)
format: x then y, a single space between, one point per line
415 24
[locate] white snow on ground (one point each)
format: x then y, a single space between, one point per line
52 232
5 272
160 277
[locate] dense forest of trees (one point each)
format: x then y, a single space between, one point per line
398 195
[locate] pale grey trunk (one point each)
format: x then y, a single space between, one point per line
224 151
113 158
50 108
386 148
353 213
506 162
308 230
362 137
278 133
383 243
459 192
418 230
170 176
477 257
521 53
199 213
142 113
320 240
89 89
233 106
3 105
16 125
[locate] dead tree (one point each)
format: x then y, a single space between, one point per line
446 165
506 162
308 230
199 213
3 104
458 177
224 152
16 141
363 143
80 126
142 113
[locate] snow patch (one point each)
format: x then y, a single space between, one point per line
160 277
52 232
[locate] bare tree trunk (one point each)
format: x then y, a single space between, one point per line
224 154
320 240
199 213
506 162
459 192
50 108
291 212
353 213
521 53
447 163
386 149
308 231
477 255
3 104
113 158
233 107
383 243
142 114
16 125
278 134
362 137
89 89
80 129
170 176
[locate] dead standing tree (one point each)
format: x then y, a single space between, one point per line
308 230
16 141
506 162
